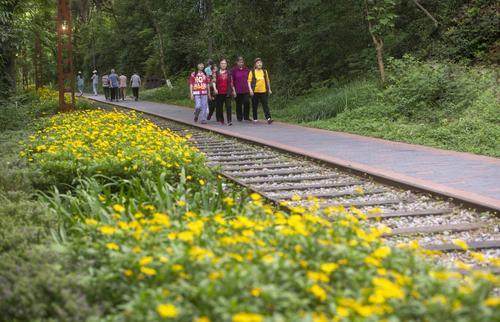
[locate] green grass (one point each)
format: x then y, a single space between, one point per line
178 95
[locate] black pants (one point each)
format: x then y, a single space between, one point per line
212 107
135 92
106 92
114 93
263 98
221 100
242 107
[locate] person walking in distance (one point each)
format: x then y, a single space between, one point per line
260 89
239 77
123 86
135 83
95 81
212 105
79 83
223 91
199 88
113 85
105 86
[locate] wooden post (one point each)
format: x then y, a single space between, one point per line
65 75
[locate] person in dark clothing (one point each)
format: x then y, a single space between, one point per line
223 88
239 77
113 85
260 89
212 105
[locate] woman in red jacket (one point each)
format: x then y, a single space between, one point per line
223 90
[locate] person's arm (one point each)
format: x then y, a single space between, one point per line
250 79
232 83
191 91
214 83
140 82
268 82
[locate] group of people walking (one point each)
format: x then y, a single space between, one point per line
114 86
213 87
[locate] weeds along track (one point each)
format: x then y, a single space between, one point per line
434 223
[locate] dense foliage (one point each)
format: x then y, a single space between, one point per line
303 42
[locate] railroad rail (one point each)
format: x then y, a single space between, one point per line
296 181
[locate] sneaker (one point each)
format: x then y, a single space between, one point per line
229 123
196 118
255 121
269 120
203 122
209 117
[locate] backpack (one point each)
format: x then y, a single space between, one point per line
254 80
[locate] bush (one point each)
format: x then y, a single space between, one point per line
324 103
110 144
163 251
431 91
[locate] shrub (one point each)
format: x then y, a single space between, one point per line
431 91
164 251
110 144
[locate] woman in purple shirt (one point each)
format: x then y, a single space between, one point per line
239 75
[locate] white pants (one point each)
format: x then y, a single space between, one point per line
94 86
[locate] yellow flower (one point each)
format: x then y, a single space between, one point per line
91 222
460 243
256 291
118 208
202 319
329 267
108 230
167 310
145 260
186 236
381 252
228 201
342 311
318 292
177 267
128 272
255 196
112 246
148 270
201 182
318 277
247 317
102 198
181 203
492 301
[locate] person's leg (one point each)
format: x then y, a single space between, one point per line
229 115
219 107
135 92
137 96
255 105
94 87
265 106
108 93
122 94
197 107
204 108
246 107
239 107
211 107
113 93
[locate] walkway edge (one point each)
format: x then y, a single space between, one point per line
467 198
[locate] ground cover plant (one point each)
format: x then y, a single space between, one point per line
154 246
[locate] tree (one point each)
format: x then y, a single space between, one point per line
380 15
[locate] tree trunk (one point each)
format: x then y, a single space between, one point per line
379 47
208 17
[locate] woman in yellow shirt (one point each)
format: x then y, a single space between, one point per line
260 88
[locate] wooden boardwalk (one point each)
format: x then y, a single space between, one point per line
464 176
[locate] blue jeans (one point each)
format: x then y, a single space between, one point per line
201 107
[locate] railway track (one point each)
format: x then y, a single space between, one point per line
282 178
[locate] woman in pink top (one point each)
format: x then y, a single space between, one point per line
123 86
